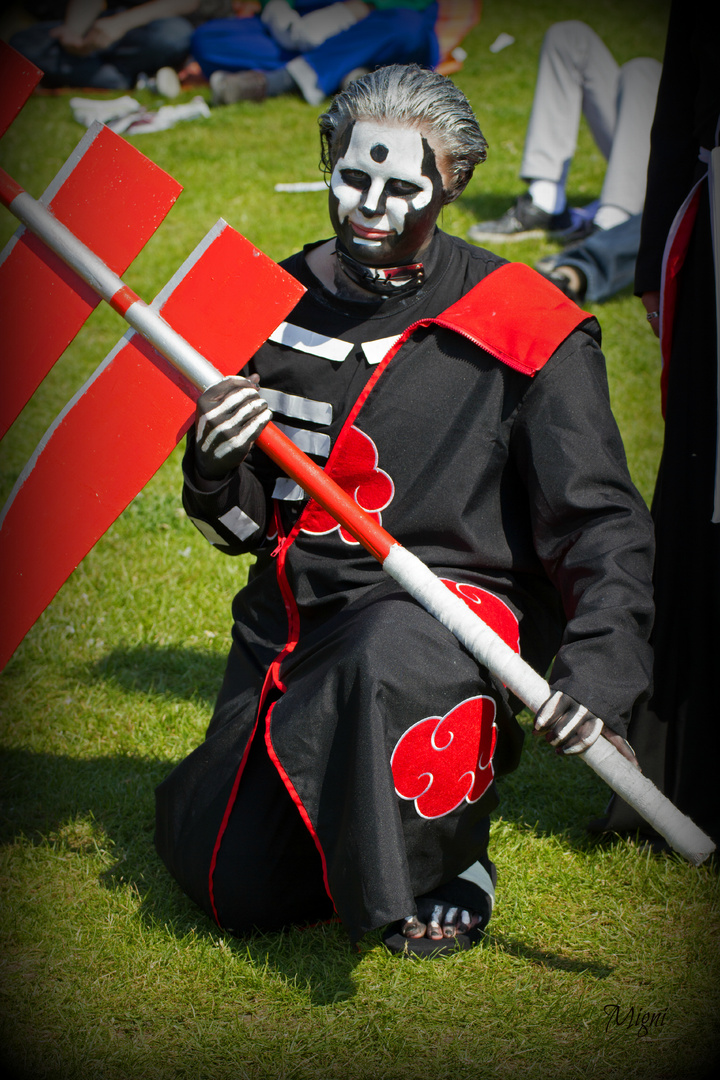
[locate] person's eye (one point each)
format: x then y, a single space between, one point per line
355 178
403 189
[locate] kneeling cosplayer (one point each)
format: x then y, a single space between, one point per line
349 767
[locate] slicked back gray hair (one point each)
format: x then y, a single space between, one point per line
408 94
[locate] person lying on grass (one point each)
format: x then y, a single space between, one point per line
349 767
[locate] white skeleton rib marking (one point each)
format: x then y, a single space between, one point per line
300 408
287 490
208 532
238 522
375 351
296 337
312 442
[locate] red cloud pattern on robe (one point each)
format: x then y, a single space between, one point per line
441 760
355 469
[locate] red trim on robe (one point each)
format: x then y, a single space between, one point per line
226 819
672 263
272 678
290 787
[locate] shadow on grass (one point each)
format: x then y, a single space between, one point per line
191 674
541 958
50 799
106 805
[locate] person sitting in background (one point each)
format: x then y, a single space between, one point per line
312 47
105 48
578 74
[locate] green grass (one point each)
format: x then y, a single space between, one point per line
108 971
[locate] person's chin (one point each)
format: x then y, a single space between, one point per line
368 245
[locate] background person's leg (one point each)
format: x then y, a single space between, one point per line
162 43
576 74
393 36
626 174
236 45
606 260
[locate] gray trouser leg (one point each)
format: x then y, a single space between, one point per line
576 74
626 174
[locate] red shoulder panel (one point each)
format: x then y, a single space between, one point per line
516 315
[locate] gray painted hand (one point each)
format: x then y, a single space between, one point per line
228 419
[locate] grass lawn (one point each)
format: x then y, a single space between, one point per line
601 961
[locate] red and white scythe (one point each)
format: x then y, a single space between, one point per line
174 351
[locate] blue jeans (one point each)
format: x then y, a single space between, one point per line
393 36
607 259
164 42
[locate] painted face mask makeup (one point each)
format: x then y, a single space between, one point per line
385 194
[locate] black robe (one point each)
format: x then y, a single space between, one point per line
500 466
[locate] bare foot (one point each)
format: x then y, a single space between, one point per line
437 920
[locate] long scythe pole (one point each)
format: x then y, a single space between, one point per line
416 578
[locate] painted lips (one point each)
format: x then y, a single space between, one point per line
369 234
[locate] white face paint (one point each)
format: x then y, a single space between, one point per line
385 192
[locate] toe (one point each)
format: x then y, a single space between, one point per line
412 927
450 922
434 926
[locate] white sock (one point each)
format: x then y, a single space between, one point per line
479 876
607 217
548 195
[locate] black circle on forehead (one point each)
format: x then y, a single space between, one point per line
379 152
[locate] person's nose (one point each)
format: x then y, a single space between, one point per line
373 205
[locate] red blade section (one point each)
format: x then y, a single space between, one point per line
18 79
112 198
125 421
